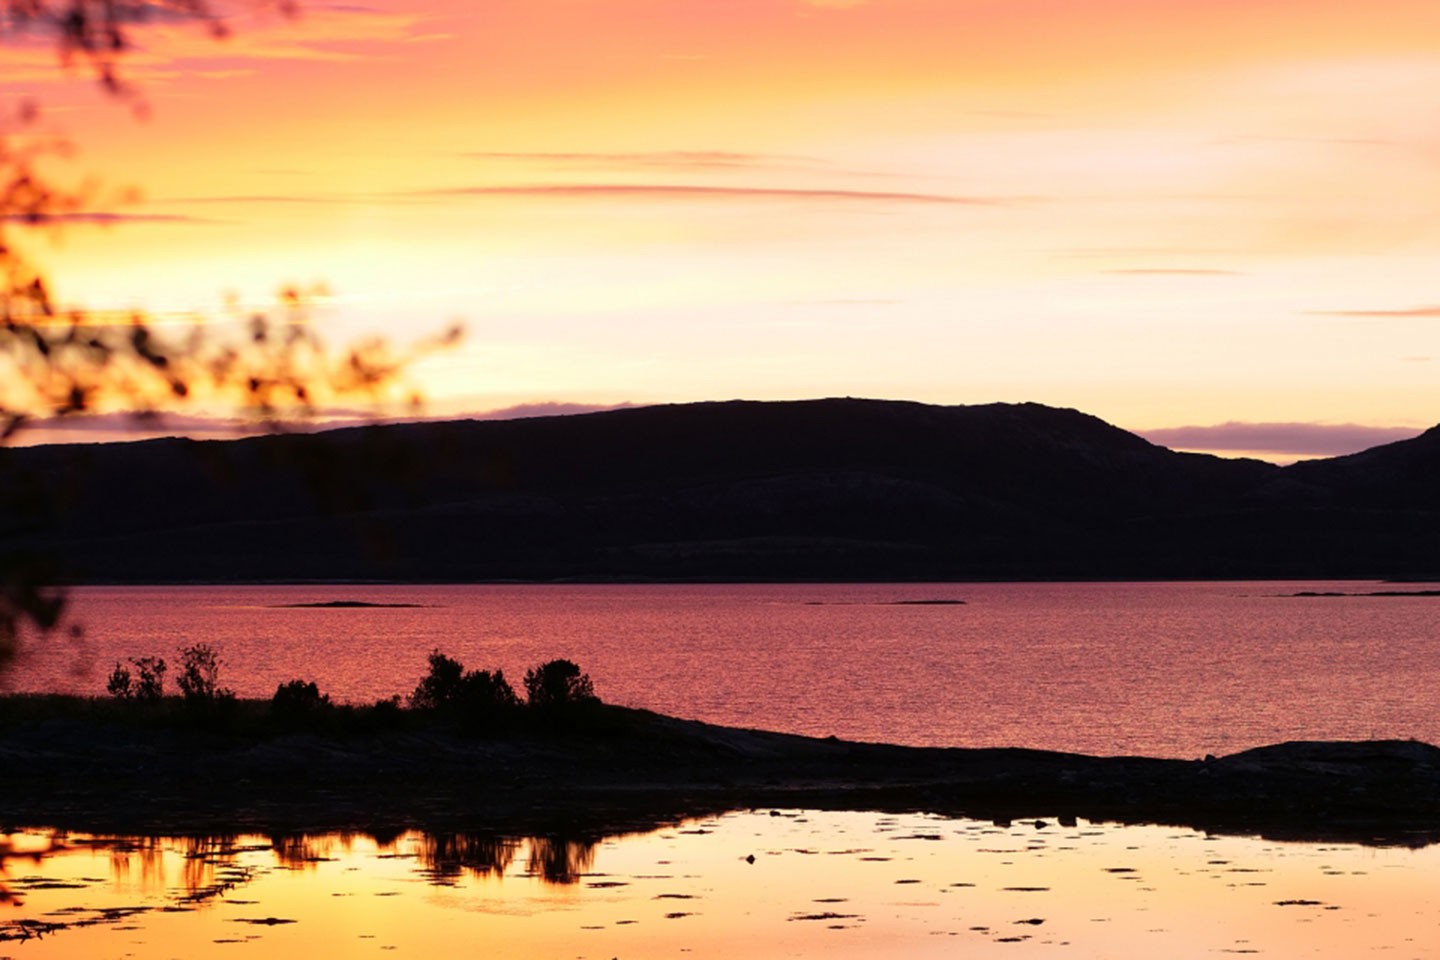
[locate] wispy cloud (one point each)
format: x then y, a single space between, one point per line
663 159
1300 439
334 33
1336 141
671 191
123 427
244 198
845 302
171 50
1430 310
102 427
1107 253
103 218
39 27
714 161
1174 272
545 408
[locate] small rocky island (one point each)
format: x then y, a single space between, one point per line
344 605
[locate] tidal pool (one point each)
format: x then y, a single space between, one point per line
746 884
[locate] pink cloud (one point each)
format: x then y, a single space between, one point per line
1295 439
122 427
1431 310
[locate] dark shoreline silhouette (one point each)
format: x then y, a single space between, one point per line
1368 593
838 490
626 768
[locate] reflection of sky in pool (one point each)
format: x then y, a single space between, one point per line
820 884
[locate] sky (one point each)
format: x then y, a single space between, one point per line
1212 222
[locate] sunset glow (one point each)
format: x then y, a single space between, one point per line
1170 214
820 883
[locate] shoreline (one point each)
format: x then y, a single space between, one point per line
618 580
618 769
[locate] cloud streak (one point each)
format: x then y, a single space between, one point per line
124 427
1429 310
669 191
665 159
1300 439
243 198
544 408
97 217
1174 272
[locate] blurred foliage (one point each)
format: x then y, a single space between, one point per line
57 360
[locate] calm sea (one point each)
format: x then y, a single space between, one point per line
752 884
1165 669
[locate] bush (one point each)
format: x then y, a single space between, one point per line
199 672
558 683
119 685
298 698
146 685
486 691
387 708
441 686
447 687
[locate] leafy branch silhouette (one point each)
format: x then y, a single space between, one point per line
58 361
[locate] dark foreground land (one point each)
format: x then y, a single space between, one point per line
71 764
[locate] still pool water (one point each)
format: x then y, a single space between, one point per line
1164 669
755 884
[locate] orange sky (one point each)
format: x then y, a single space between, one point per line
1164 212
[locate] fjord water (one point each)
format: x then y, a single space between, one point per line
747 884
1164 669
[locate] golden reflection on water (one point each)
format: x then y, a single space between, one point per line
755 884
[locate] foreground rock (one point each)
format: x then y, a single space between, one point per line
632 768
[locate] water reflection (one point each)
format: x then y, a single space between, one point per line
758 884
447 857
217 866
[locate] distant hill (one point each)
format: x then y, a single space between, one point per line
822 489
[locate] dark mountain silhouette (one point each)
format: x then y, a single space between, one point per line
823 489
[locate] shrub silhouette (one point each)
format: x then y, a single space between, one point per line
199 673
147 684
447 687
439 687
558 683
118 685
297 698
485 690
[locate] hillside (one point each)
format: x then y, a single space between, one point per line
824 489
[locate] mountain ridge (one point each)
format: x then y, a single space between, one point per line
837 488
